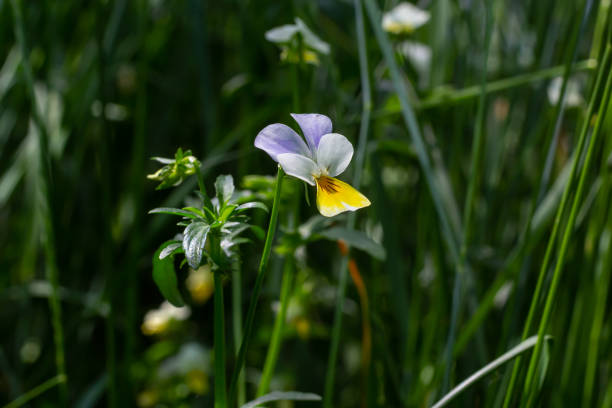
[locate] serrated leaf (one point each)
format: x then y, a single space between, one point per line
224 186
282 396
171 249
194 239
252 204
174 211
164 276
355 239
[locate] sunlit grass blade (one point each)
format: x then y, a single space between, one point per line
519 349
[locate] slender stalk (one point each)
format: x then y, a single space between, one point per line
601 295
36 391
237 323
557 221
219 332
279 325
289 260
445 97
569 226
475 172
359 164
261 272
52 272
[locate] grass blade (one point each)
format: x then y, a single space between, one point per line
493 365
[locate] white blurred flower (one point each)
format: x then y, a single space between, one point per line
157 321
419 56
573 97
404 18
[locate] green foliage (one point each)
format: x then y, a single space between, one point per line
164 274
175 171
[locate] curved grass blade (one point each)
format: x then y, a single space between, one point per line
493 365
282 396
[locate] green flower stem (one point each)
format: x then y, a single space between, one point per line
237 323
475 172
569 227
49 228
359 164
279 325
557 221
219 325
289 260
261 272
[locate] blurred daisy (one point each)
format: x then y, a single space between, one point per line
404 19
287 37
317 162
157 321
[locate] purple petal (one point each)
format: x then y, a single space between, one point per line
314 126
277 139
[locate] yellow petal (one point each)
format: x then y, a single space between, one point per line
335 196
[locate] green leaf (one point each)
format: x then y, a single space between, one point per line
355 239
282 396
171 249
252 204
165 276
174 211
226 212
194 239
224 186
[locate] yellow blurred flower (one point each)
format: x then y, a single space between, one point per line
200 284
157 321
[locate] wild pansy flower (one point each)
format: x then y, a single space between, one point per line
317 161
404 19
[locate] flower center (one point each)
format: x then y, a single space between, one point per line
327 184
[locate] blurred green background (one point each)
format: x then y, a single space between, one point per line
90 90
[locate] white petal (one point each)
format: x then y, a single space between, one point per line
334 154
299 166
404 18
